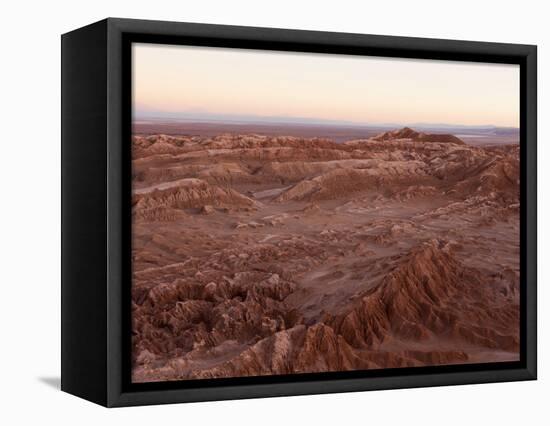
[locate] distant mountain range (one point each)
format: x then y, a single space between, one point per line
200 117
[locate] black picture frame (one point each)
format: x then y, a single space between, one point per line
96 212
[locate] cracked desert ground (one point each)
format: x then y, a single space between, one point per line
260 255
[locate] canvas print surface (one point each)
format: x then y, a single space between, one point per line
297 213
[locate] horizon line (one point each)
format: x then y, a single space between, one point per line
258 119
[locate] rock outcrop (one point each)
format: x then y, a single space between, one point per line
408 133
258 255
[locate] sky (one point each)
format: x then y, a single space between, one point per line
205 82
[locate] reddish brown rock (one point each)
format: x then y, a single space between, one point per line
399 250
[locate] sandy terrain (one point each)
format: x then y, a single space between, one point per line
258 255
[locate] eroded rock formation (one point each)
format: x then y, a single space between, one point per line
259 255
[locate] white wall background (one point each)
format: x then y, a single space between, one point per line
30 211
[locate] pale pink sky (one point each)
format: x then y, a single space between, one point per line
370 90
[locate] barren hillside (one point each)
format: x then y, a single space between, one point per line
259 255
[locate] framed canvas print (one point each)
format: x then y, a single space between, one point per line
252 212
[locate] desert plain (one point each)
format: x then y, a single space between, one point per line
267 254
